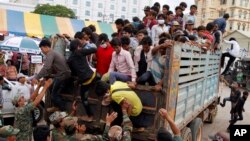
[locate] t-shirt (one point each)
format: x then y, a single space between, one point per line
104 56
131 96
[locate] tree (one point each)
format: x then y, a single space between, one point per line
57 10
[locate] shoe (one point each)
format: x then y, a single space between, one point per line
222 105
52 109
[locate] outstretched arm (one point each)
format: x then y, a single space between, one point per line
40 96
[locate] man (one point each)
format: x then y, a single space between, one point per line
122 66
178 15
169 18
191 15
141 34
222 22
23 88
165 9
55 66
23 117
183 6
56 119
146 12
119 26
9 133
163 134
128 32
41 133
217 38
232 54
125 41
80 68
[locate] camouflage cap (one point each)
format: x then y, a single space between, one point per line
57 117
7 131
115 132
16 99
69 121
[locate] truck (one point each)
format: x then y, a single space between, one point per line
189 93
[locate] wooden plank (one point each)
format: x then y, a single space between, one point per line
189 78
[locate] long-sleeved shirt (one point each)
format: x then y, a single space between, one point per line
235 48
222 23
158 30
55 64
137 57
123 63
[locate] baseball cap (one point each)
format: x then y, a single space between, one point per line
8 130
70 122
57 117
176 23
16 99
20 75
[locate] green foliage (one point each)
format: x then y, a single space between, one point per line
57 10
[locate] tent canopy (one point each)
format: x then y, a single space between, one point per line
30 24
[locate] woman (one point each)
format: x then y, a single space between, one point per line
11 72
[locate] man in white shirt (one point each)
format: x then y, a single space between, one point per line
23 88
232 54
190 16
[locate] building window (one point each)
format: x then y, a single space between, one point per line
123 8
233 2
223 1
231 25
99 14
100 5
135 2
232 13
124 1
88 3
238 26
112 7
211 14
87 13
244 27
123 17
134 10
75 2
240 13
245 15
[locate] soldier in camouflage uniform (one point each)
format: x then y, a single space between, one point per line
23 116
56 119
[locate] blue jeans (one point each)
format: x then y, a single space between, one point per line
56 97
146 77
114 76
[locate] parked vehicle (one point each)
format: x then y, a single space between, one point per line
190 94
8 109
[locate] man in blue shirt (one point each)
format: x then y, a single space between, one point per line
222 22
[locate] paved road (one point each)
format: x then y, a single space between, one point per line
221 121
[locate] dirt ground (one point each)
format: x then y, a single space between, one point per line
223 116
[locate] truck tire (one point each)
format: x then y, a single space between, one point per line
196 127
186 134
38 113
211 116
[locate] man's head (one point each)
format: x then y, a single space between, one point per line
210 27
70 125
116 44
162 50
170 15
1 80
201 30
56 118
9 132
10 62
119 24
82 37
146 10
115 133
21 78
92 27
101 88
127 31
103 40
41 133
19 101
152 15
45 46
141 34
125 43
165 9
245 94
232 39
193 9
226 16
178 11
146 43
75 45
161 19
235 85
183 6
189 25
164 135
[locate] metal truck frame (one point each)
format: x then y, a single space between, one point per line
190 94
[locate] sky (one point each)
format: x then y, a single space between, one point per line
173 3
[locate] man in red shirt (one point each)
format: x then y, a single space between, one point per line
103 55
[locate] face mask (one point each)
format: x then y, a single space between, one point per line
161 21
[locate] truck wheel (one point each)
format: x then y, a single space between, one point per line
38 112
196 128
186 134
212 116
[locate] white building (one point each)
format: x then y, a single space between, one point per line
97 10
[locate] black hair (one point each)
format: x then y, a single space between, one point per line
164 135
143 31
165 35
166 6
115 34
11 62
192 37
45 42
103 37
232 39
245 93
119 21
201 27
125 41
162 40
74 44
193 6
92 27
170 12
115 42
70 130
128 29
1 78
141 26
101 88
155 9
183 4
126 21
153 13
157 4
160 15
183 39
226 16
178 7
146 41
79 35
41 132
210 26
89 32
136 19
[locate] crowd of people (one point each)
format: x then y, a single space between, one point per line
136 54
